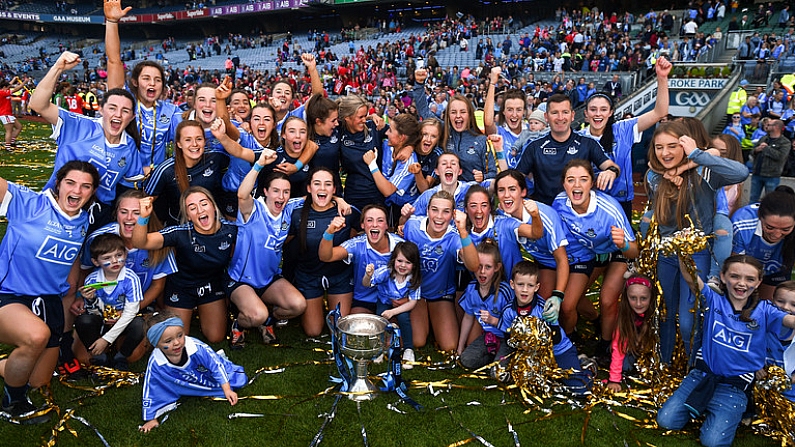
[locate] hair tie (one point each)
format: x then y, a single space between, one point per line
638 280
156 331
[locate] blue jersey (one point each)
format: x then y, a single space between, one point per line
40 244
298 112
438 257
421 204
731 347
360 253
82 138
359 185
512 311
238 168
127 290
137 260
504 230
202 258
589 234
202 375
776 345
258 254
389 289
508 139
554 236
158 127
495 302
546 157
162 184
397 172
747 240
625 134
307 261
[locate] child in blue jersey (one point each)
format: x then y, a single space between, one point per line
203 247
375 247
109 143
549 251
393 179
765 231
112 296
617 137
192 165
736 324
399 291
157 119
183 366
43 238
441 247
601 239
483 302
633 336
784 299
527 302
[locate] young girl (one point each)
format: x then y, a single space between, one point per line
633 335
784 299
483 300
183 366
398 291
733 349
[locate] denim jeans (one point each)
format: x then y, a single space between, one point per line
722 244
722 416
757 182
404 323
678 302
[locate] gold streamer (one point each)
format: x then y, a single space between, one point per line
776 412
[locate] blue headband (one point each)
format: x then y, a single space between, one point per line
156 331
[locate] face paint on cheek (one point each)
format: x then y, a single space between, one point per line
106 264
165 348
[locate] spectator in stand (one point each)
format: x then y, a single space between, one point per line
770 155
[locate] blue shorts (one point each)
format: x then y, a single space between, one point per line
313 286
232 285
192 297
47 307
774 279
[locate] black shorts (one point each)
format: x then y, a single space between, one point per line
364 304
448 297
313 286
47 307
583 267
775 279
192 297
232 285
463 278
616 256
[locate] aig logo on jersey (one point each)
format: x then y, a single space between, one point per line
58 251
730 338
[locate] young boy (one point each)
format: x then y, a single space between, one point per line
112 296
784 299
527 302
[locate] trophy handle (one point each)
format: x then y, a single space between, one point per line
331 319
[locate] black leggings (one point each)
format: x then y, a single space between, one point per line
90 327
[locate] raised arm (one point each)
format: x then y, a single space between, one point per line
245 201
232 147
222 92
114 13
141 238
468 252
488 107
40 99
536 229
650 118
383 184
311 66
327 252
418 94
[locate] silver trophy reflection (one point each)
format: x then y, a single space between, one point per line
361 338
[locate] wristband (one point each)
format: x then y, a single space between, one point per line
111 21
557 294
466 241
626 246
500 155
298 165
328 236
257 167
373 167
142 221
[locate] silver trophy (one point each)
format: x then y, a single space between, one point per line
362 338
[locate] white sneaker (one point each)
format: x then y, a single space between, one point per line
408 358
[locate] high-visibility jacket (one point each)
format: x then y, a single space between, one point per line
736 101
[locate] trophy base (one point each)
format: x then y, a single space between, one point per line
362 390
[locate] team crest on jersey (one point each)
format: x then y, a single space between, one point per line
145 263
333 139
752 325
471 151
285 226
368 138
122 162
224 245
208 172
163 119
439 250
590 233
572 150
174 298
83 231
201 369
121 298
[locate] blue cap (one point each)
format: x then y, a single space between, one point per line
743 83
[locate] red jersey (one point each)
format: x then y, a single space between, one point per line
75 104
5 102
